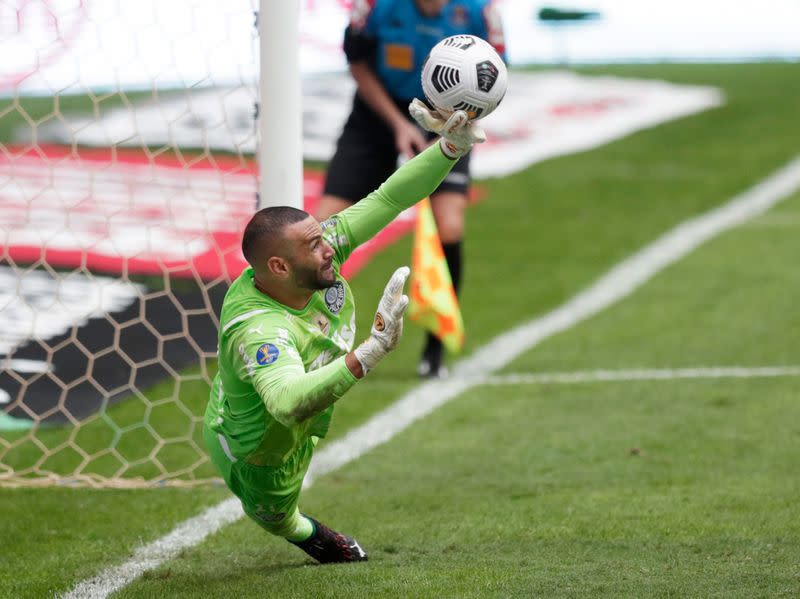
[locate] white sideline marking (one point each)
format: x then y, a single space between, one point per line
188 533
618 283
653 374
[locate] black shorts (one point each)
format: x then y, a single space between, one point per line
366 155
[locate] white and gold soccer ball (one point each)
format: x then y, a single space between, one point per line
464 72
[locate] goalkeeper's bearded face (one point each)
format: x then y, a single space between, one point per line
312 257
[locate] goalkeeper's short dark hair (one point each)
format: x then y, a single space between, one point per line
268 223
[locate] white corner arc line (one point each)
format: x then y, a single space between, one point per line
618 283
645 374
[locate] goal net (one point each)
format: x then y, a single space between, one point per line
127 133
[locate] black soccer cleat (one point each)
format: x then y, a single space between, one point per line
430 364
330 547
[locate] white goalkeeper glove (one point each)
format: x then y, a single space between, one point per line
458 133
387 328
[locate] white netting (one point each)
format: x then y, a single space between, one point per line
116 245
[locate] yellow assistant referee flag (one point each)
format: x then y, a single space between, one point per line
433 303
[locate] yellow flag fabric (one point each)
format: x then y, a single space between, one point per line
433 303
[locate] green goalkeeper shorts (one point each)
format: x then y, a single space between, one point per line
269 495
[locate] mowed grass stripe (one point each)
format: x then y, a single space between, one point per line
614 286
610 489
539 237
719 290
651 374
607 489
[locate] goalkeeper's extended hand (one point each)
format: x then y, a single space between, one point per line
387 328
458 133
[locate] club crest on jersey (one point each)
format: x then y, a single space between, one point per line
267 354
334 297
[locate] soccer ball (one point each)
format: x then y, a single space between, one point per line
464 72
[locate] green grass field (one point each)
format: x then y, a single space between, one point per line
664 488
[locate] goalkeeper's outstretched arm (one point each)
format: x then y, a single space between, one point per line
416 179
292 395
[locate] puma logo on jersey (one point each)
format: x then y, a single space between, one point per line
256 330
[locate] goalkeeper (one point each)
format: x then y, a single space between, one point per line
287 331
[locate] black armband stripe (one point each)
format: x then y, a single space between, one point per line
358 46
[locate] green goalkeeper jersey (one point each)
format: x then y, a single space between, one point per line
281 370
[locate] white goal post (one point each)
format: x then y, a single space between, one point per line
280 114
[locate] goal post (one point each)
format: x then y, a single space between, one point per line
130 161
280 114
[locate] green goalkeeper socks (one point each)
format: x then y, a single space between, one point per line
303 529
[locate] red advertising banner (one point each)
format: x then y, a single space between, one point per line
127 212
